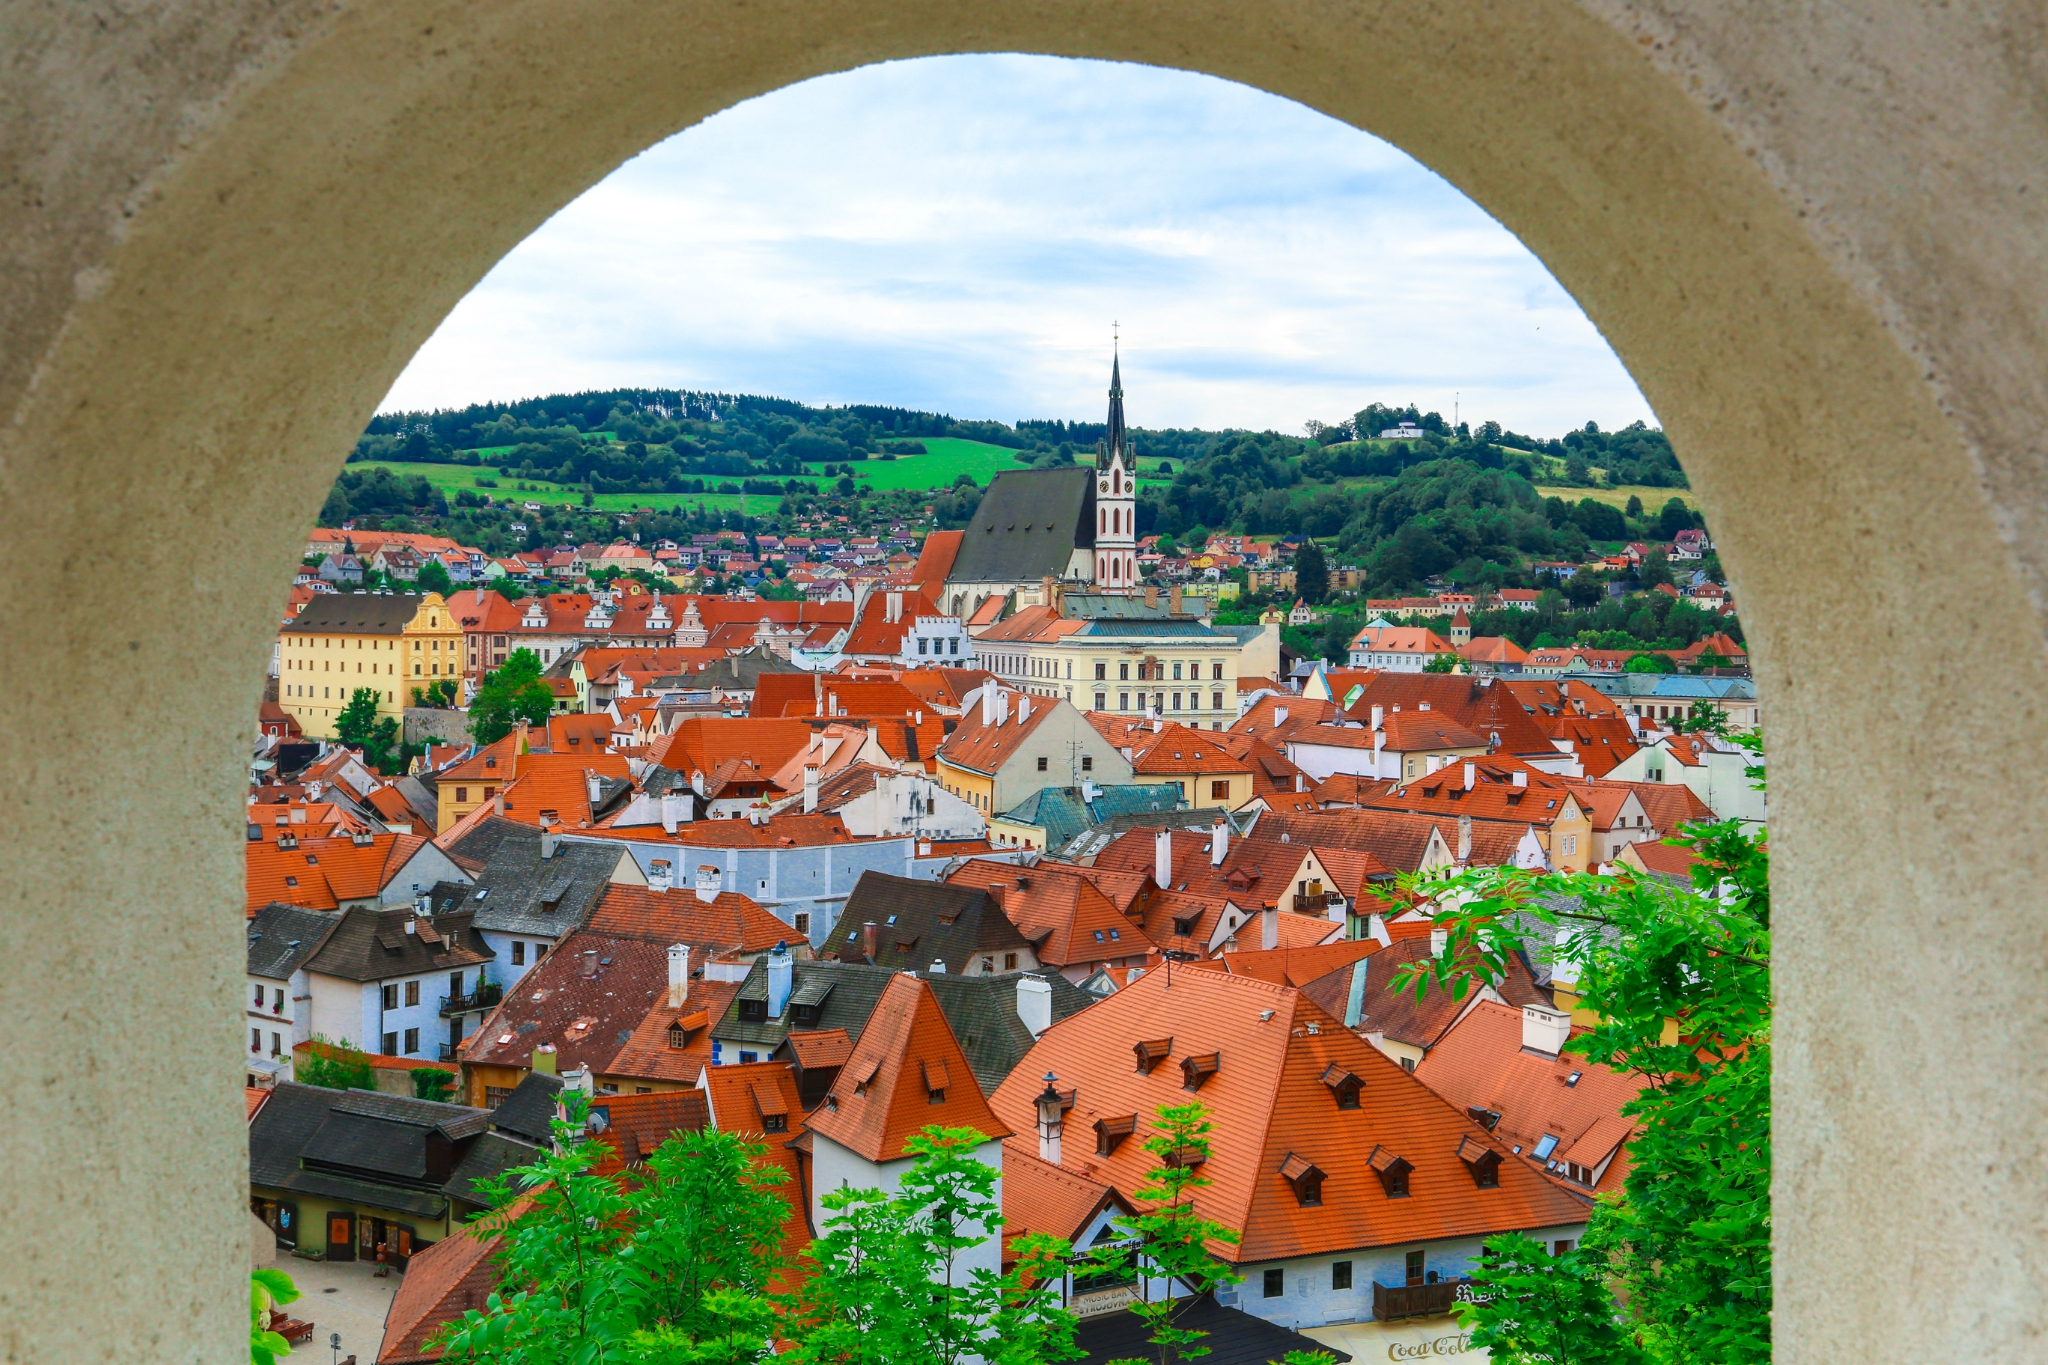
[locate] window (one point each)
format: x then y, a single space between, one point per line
746 1057
255 1040
1101 670
462 793
1276 1283
1219 791
956 647
1123 701
1216 670
1216 701
259 997
518 953
412 992
803 923
1009 962
937 1096
412 1041
1042 763
1087 763
1176 670
1571 844
276 1045
1123 672
390 1045
1101 698
390 998
1176 701
1340 1274
1545 1147
1415 1267
1561 1246
775 1123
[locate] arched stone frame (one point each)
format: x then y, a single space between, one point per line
1813 236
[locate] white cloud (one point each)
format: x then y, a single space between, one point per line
959 233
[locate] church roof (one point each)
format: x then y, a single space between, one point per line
1029 524
1113 439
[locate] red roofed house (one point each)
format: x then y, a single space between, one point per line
906 1073
1357 1193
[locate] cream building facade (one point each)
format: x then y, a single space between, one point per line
389 643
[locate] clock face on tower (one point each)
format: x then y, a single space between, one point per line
1105 485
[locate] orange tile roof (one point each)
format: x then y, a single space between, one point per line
441 1283
1062 911
1492 649
803 695
254 1096
1292 966
907 1054
636 1125
1481 1064
788 830
1667 860
1172 748
648 1055
739 1097
321 873
873 633
984 748
730 921
701 743
1270 1104
819 1047
1041 1197
1397 1013
935 558
586 734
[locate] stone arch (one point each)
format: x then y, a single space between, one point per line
237 223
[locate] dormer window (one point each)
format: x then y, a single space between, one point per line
1151 1053
936 1079
1344 1087
1196 1071
863 1074
1481 1161
1111 1132
1392 1170
1307 1179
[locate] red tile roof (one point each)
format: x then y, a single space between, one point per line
321 873
984 748
635 1125
1271 1105
906 1072
440 1284
730 921
651 1055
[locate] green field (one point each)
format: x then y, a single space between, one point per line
451 478
1653 498
945 459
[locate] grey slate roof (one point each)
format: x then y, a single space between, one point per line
1234 1337
372 945
355 613
528 1110
982 1010
739 672
518 892
384 1151
919 922
282 937
1029 524
1062 814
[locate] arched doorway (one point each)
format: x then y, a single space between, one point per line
233 234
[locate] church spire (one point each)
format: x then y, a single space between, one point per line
1112 447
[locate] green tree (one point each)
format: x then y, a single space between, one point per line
507 588
1708 658
268 1288
672 1271
431 1083
1441 663
1655 569
1634 510
1702 718
511 693
1689 1242
888 1286
1542 1309
335 1066
1674 517
1311 574
1649 663
1166 1239
358 720
433 577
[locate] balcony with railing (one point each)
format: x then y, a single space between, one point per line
484 997
1417 1300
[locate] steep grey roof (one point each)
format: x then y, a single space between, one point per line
528 1111
355 613
384 1151
282 937
739 672
982 1010
519 892
919 922
1233 1337
372 945
1029 524
422 798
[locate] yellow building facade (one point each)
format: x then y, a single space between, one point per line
389 643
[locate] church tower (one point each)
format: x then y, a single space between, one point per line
1116 497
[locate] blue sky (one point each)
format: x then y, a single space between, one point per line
960 233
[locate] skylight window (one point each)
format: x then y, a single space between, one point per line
1545 1148
1573 1079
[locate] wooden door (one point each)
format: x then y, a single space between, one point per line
341 1236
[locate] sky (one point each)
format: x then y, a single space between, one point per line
963 234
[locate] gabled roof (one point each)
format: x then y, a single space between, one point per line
919 922
1397 1013
1169 750
375 945
587 1020
984 747
1482 1064
729 921
1398 839
1288 966
1041 1197
519 892
283 937
1063 813
321 873
633 1126
906 1072
1270 1102
355 613
651 1053
800 696
935 559
441 1283
1028 525
1059 909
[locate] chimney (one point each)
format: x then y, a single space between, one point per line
660 875
1521 779
412 926
1279 716
1464 838
1002 707
1438 940
590 964
548 838
894 608
832 704
544 1059
1034 1003
1045 590
1471 776
1173 599
781 979
1379 716
669 804
1051 1120
1151 594
1544 1030
810 788
1023 708
678 975
988 703
697 781
1422 706
1269 927
868 933
1162 859
938 967
1219 842
595 785
709 881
